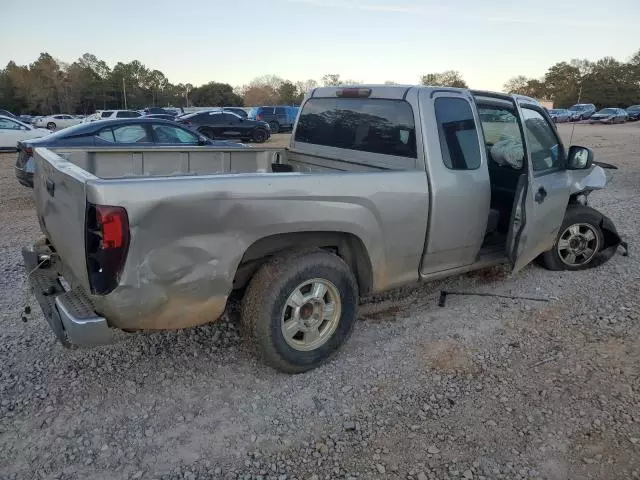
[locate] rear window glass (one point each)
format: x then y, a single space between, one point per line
126 114
105 114
458 134
371 125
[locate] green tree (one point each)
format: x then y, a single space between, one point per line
214 94
287 93
449 78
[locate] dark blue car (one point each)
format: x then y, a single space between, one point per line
125 132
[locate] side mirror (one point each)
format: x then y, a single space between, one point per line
579 158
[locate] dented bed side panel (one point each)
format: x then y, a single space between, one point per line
189 234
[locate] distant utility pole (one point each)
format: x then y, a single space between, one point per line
124 93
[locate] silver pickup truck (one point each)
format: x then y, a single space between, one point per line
380 186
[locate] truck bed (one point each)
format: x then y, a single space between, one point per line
196 215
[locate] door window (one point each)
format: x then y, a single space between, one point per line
458 134
125 134
6 124
547 153
280 111
169 134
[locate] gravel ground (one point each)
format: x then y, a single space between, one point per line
483 388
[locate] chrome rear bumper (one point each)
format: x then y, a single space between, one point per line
70 314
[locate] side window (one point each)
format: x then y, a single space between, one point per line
379 126
125 134
169 134
106 134
105 114
502 137
280 111
6 124
546 150
227 118
458 134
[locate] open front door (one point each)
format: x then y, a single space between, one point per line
542 194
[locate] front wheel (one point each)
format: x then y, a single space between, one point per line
578 242
51 126
299 309
259 135
274 126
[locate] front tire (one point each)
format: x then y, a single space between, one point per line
259 135
578 242
274 126
299 309
51 126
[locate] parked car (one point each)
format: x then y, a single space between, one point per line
560 115
279 118
237 110
6 113
634 112
57 122
162 116
26 119
583 111
157 111
111 114
391 185
13 131
609 115
220 124
132 132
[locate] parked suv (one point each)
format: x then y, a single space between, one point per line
583 110
634 112
279 118
111 114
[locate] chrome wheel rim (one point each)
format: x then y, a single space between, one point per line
311 314
578 244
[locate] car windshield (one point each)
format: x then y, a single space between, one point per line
607 111
634 108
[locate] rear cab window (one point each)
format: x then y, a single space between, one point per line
380 126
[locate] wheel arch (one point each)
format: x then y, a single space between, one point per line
347 246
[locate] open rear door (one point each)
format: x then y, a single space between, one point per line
542 194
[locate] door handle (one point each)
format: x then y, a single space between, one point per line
540 195
51 188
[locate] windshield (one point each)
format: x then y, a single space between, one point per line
607 111
634 108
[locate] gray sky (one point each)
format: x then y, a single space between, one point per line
372 41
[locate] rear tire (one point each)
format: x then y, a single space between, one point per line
579 234
51 126
259 135
278 301
274 126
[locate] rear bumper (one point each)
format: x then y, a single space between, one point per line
25 178
70 314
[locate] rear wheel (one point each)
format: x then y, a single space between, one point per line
578 242
259 135
274 126
51 126
300 308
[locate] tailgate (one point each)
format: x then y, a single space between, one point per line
59 188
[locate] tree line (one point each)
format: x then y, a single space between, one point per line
88 84
51 86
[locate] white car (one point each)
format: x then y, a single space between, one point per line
13 131
111 114
57 122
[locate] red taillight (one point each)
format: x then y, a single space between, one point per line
28 151
111 220
353 92
106 244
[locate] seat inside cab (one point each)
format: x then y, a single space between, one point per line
505 155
